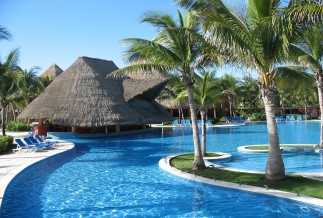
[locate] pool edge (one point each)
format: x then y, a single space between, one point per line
164 164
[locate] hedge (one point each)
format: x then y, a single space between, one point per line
6 144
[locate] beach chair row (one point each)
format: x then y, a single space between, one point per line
33 144
188 122
289 118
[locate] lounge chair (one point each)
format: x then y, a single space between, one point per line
175 123
208 122
199 122
21 146
43 141
30 144
292 118
41 144
188 122
299 118
280 118
183 123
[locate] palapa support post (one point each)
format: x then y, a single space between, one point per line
74 129
117 128
106 130
40 121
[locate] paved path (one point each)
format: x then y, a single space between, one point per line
13 163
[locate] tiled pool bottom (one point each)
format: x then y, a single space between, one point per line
120 177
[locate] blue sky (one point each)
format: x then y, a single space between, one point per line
60 31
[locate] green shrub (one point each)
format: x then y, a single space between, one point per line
258 117
17 126
223 119
6 143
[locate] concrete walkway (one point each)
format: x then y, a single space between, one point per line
13 163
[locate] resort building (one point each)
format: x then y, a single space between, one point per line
85 98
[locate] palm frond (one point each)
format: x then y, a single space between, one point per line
138 68
4 33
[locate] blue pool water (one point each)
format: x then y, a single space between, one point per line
120 177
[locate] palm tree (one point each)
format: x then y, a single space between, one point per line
173 88
249 93
257 39
230 87
179 47
29 84
8 82
205 94
309 47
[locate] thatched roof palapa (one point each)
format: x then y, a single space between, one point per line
83 96
53 71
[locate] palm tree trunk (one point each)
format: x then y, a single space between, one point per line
203 117
275 169
214 111
198 163
230 108
305 106
319 84
3 119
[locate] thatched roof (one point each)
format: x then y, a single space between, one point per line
53 71
170 104
83 96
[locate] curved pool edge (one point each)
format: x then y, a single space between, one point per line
164 164
245 149
29 159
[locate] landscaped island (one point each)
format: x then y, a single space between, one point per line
295 184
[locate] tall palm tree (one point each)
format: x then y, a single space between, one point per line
309 47
178 47
8 82
257 39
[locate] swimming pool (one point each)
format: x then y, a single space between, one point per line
119 176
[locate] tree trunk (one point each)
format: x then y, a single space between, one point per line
3 113
305 106
319 84
214 111
198 163
230 108
275 169
203 117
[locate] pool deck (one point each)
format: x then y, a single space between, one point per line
165 165
14 163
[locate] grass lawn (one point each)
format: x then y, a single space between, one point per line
265 147
294 184
213 154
